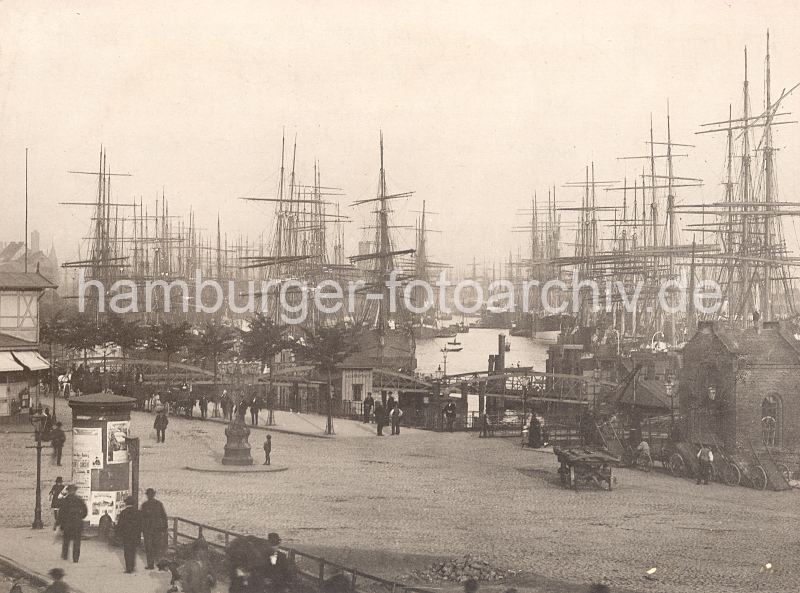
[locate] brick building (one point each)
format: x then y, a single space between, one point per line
741 386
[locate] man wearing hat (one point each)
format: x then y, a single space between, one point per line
58 585
129 530
278 574
57 440
154 528
55 498
71 514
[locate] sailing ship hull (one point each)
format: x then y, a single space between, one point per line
495 320
550 326
424 332
546 336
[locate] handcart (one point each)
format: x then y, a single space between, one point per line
585 465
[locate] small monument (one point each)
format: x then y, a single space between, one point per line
237 447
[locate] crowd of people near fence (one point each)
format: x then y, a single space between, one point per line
253 564
85 378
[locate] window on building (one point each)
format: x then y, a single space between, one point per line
358 391
771 421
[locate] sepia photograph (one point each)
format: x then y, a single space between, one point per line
399 297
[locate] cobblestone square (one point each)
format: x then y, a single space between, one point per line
368 501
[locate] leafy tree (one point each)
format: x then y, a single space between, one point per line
263 341
81 335
169 339
327 347
215 340
52 331
128 335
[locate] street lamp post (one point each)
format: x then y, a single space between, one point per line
270 407
38 420
653 340
619 338
329 423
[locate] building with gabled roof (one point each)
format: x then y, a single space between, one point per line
20 363
741 387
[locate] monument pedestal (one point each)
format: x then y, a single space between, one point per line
237 448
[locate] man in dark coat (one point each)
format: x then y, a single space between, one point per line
71 514
535 433
369 402
241 410
255 406
57 586
160 424
194 574
129 531
154 527
55 498
48 424
450 415
57 439
267 449
380 418
278 573
203 407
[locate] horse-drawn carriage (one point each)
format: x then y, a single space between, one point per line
178 401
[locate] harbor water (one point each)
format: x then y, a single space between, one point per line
477 345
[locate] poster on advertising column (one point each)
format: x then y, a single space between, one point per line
102 502
87 454
117 441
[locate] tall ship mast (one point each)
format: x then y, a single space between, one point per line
753 266
298 250
387 337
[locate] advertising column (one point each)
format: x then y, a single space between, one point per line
100 461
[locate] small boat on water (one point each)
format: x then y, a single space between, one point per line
453 348
454 342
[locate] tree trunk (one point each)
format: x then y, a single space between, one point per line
270 399
329 425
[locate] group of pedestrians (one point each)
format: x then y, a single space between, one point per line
149 523
389 414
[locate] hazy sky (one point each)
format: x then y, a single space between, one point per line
480 103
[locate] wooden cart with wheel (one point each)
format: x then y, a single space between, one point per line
585 465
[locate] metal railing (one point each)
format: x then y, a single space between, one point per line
314 569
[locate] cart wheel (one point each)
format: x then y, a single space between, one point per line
759 478
787 475
731 474
677 467
572 477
